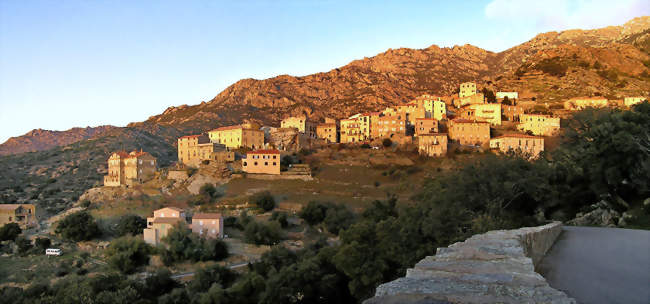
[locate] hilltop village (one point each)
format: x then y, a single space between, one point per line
434 125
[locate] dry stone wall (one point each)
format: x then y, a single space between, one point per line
494 267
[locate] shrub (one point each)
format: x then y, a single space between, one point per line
42 243
85 204
131 224
338 217
78 226
10 231
230 221
387 142
365 146
264 200
262 234
281 218
185 245
553 66
314 213
23 244
128 253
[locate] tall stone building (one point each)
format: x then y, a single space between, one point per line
539 124
432 144
194 149
467 89
531 145
469 132
239 136
129 168
22 214
302 123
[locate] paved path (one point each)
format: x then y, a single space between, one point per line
600 265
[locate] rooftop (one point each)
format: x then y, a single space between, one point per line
266 151
461 120
518 136
203 216
227 128
13 206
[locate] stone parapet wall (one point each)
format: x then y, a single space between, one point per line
494 267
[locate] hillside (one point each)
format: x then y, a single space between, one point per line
613 62
39 139
398 75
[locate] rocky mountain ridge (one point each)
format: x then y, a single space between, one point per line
39 139
612 62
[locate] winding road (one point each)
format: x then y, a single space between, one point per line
600 265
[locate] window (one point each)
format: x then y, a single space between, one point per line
266 163
244 164
255 163
274 163
274 156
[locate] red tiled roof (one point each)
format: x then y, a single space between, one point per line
267 151
518 136
209 216
121 154
371 113
227 128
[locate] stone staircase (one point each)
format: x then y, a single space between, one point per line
494 267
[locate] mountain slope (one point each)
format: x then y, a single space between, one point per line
39 139
396 76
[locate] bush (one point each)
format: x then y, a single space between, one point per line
131 224
23 244
387 142
365 146
85 204
314 213
185 245
78 226
10 231
230 221
262 234
264 200
553 66
42 243
128 253
338 217
281 218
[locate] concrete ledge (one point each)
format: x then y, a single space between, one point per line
494 267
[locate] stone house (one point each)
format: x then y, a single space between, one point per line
511 95
129 168
579 103
327 131
488 112
262 162
432 144
387 126
193 149
161 223
511 113
208 225
467 89
469 132
531 145
366 121
239 136
539 124
350 131
302 123
426 126
630 101
22 214
434 106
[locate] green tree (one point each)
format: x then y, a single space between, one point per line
314 213
264 200
9 232
42 243
263 234
131 224
23 244
78 226
128 253
338 217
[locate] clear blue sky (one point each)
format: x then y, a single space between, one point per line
87 63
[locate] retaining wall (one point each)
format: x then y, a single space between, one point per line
494 267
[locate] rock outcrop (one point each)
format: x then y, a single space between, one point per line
39 139
494 267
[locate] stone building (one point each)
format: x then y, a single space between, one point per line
327 131
467 89
161 223
129 168
477 98
469 132
539 124
194 149
351 131
488 112
387 126
426 126
208 225
630 101
511 113
302 123
511 95
409 112
262 162
530 145
366 121
579 103
22 214
432 144
235 137
434 106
